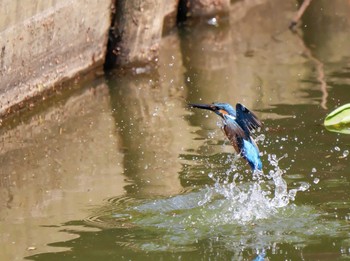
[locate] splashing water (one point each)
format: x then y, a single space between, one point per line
226 202
229 208
239 215
242 203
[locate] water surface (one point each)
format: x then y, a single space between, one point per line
120 169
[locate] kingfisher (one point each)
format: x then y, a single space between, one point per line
238 126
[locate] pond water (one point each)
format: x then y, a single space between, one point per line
119 168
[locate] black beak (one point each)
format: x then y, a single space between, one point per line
209 107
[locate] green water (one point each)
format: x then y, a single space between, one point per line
121 169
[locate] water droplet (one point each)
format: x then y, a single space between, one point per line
304 186
316 180
345 153
140 70
313 170
213 21
261 137
336 148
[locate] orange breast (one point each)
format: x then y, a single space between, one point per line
232 138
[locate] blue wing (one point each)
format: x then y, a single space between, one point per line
246 119
250 153
242 142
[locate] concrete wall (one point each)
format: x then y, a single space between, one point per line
138 29
44 42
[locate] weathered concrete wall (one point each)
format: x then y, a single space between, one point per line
139 25
44 42
138 29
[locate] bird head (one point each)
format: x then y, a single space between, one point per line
219 108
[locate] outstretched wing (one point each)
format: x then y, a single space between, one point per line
246 119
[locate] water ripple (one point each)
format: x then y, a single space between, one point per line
258 214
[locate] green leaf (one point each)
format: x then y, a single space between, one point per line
342 129
339 120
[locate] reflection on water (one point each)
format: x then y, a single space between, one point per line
96 144
122 170
53 167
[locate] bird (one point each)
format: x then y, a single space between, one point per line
238 126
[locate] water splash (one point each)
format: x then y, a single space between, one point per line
246 202
247 215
